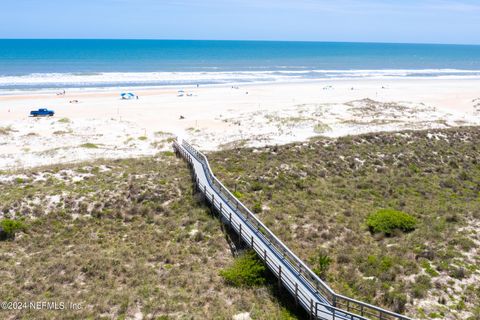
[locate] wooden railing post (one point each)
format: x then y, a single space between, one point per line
296 293
279 276
194 180
311 308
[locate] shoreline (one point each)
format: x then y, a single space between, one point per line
6 93
101 125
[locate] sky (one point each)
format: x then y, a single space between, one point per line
410 21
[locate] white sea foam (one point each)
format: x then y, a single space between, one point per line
144 79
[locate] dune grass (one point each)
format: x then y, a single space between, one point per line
6 130
127 236
89 145
319 197
120 237
64 120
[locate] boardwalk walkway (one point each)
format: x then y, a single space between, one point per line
308 290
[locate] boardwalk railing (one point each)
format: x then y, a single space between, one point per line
327 304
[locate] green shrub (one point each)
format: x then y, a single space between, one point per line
379 264
237 194
421 286
321 264
89 145
321 128
429 269
382 267
414 168
257 207
256 186
388 220
397 300
10 227
286 314
458 273
246 271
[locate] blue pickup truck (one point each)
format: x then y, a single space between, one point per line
42 112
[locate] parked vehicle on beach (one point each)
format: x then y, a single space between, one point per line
42 112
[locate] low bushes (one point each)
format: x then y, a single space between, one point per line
321 264
5 130
89 145
9 227
64 120
247 271
237 194
257 207
397 300
388 220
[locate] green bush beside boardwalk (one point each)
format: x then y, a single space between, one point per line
246 271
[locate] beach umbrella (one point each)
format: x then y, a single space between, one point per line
128 95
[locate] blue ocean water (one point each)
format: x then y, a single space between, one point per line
45 64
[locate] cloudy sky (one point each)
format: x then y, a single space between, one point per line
420 21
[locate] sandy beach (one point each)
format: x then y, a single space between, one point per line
101 125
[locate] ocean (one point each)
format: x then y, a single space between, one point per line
63 64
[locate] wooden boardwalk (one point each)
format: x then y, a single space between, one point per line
308 290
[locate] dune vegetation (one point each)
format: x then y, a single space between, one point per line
123 239
389 218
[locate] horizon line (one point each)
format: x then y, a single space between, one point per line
249 40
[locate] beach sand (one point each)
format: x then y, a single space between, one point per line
101 125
